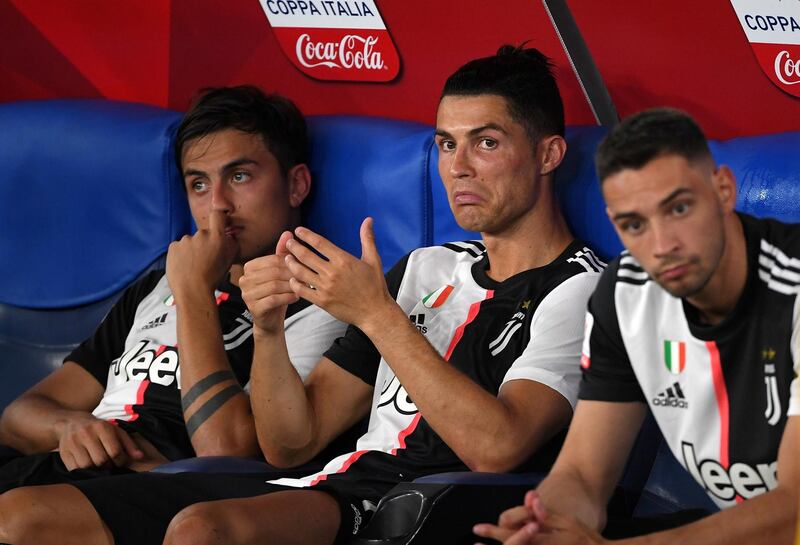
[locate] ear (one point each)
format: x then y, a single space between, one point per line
551 152
725 185
299 180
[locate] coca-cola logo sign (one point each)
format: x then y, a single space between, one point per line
334 40
773 29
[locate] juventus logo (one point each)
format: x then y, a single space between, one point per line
773 411
499 344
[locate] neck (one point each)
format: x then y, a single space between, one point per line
533 241
718 298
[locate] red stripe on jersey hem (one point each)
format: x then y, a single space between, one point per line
345 466
722 402
139 401
473 312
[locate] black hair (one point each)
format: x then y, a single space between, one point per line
248 109
647 135
524 77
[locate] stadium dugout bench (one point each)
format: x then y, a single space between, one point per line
90 199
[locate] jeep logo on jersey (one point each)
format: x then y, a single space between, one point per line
739 480
344 40
394 394
773 29
159 366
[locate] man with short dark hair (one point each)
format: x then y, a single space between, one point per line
162 377
697 319
486 384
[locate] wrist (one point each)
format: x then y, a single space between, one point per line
382 318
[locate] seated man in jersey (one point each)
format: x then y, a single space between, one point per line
488 383
692 320
162 376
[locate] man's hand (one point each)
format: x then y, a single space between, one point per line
266 290
200 261
350 289
86 441
530 524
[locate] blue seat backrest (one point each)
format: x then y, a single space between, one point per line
89 199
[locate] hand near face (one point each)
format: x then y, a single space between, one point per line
349 288
531 524
200 261
266 290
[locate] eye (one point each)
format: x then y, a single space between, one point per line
447 145
198 186
632 226
239 177
680 208
487 143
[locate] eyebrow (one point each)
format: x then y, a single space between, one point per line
226 167
475 131
666 200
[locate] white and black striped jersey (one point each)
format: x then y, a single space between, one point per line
134 355
721 394
528 327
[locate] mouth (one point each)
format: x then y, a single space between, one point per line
466 197
673 272
233 231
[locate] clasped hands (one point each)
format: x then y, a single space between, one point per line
306 265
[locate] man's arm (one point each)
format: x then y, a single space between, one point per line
56 414
294 421
488 433
216 409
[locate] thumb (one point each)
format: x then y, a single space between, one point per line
280 247
216 222
369 252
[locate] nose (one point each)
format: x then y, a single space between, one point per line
220 197
460 165
664 239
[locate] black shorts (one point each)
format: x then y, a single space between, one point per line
138 508
47 468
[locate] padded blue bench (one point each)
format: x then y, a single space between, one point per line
90 199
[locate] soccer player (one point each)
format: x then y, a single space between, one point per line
161 378
464 356
698 320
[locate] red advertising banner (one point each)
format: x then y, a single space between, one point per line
334 40
773 29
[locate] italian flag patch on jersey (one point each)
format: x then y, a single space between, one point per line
438 297
675 356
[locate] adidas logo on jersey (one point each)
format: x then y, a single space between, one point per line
419 322
671 397
155 322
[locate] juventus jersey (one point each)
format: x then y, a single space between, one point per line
528 327
721 394
134 354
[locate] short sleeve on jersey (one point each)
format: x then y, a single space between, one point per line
552 355
354 352
607 371
108 341
308 334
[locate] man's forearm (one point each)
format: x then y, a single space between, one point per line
216 410
768 519
32 423
478 426
283 414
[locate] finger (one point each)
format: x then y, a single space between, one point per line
260 290
301 273
515 517
112 445
303 291
216 222
272 302
97 452
535 503
492 532
131 448
523 536
306 256
324 246
369 251
280 248
68 459
256 266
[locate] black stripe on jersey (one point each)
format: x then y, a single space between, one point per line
479 245
778 271
586 258
456 248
